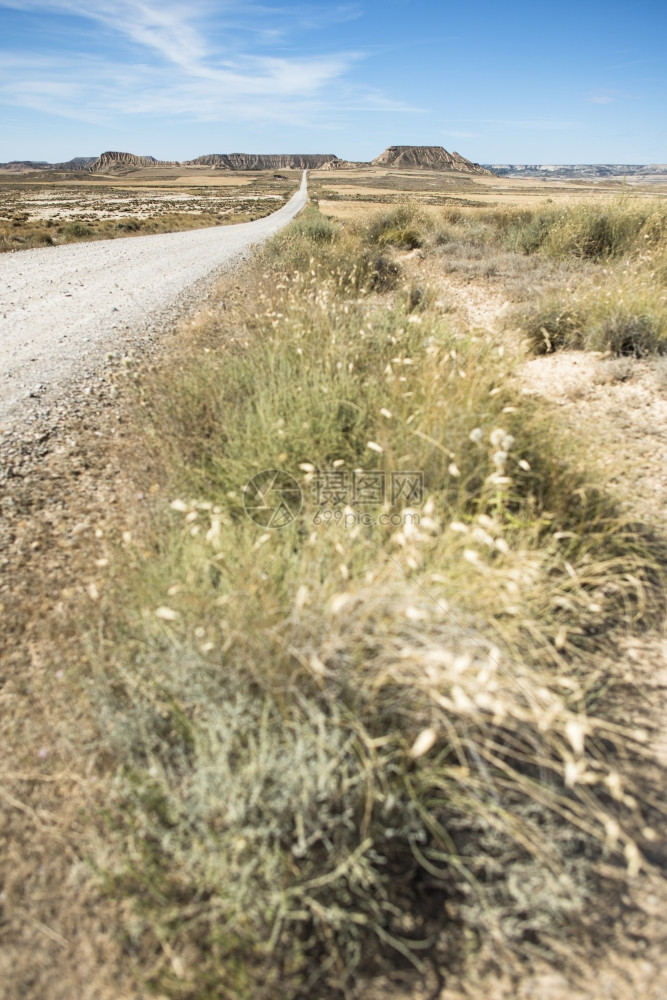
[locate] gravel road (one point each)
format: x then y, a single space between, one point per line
62 308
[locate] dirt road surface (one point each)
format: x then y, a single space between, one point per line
61 308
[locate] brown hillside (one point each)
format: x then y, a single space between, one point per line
430 157
110 162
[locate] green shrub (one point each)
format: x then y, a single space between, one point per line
405 239
75 231
630 320
129 225
405 226
314 244
316 227
584 231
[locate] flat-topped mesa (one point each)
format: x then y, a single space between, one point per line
429 157
262 161
110 161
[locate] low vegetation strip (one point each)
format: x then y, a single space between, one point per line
18 233
347 687
38 215
612 295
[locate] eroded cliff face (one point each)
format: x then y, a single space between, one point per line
262 161
407 157
431 157
110 161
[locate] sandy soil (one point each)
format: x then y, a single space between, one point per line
77 204
61 307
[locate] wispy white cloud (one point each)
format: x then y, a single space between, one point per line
602 97
193 60
170 30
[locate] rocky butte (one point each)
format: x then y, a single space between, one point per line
429 157
109 162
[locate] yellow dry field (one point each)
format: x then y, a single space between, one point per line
350 190
356 195
190 180
348 209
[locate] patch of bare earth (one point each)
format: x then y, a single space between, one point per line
618 409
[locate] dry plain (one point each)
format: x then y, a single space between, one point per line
82 207
62 307
85 501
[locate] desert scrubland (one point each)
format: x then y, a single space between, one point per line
387 721
82 207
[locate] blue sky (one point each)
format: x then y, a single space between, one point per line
512 82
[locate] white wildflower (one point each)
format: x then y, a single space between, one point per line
423 743
613 832
166 614
301 598
415 614
575 733
459 526
483 537
615 785
633 858
339 601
